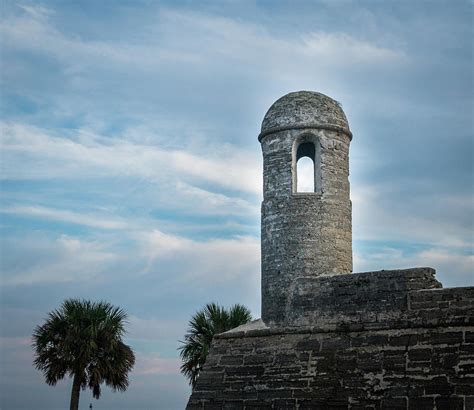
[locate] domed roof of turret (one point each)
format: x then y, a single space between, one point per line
304 109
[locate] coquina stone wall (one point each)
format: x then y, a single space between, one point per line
303 234
418 353
329 339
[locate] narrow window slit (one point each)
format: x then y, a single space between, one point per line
307 168
305 171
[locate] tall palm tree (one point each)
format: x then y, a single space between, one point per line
84 340
207 322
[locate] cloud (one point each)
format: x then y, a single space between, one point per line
60 215
17 357
34 32
340 47
67 258
63 259
154 329
305 172
10 342
380 213
202 40
453 268
234 169
212 203
36 11
156 365
209 260
222 182
88 154
243 42
158 244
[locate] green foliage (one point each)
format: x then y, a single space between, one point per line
83 339
207 322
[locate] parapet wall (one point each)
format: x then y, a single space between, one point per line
369 297
375 340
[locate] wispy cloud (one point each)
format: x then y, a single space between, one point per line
67 258
212 203
225 39
233 39
36 11
156 365
207 260
60 215
340 47
64 259
408 221
34 32
154 329
453 268
155 61
88 154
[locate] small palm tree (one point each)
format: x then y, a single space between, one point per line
84 340
207 322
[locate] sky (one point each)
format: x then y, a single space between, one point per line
131 170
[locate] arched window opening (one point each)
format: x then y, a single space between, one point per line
307 171
305 175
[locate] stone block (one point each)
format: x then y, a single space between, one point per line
449 403
421 403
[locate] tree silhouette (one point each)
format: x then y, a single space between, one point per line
207 322
83 339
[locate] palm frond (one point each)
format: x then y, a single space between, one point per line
204 324
84 337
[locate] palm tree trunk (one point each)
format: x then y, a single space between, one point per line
76 389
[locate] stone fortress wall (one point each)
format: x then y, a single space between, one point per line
330 339
418 354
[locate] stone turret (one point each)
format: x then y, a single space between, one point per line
304 234
392 339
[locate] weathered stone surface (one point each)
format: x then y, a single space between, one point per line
406 359
302 109
327 338
378 376
303 234
355 298
309 368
